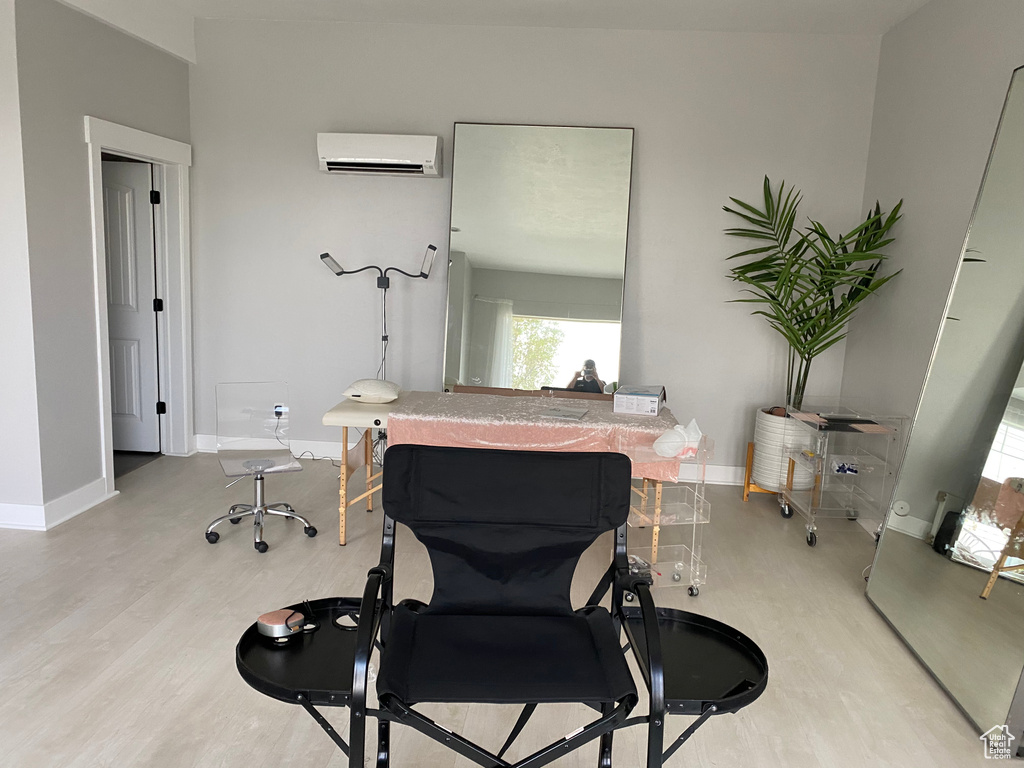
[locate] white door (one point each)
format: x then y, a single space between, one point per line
128 228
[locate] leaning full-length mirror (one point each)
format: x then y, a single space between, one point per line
538 253
957 508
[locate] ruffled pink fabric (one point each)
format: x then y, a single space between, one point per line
492 421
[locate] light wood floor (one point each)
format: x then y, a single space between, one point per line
117 647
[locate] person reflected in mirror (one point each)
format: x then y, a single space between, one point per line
586 379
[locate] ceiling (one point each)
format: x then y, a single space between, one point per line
814 16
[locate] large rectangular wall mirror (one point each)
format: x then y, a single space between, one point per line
538 254
959 498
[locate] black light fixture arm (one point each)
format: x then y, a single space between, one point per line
403 272
383 282
361 269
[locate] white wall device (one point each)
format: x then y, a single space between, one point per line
379 154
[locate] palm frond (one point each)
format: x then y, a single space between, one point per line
806 282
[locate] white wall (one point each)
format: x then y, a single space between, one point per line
21 480
167 25
713 113
70 66
943 75
561 296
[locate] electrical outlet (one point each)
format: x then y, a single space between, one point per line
280 410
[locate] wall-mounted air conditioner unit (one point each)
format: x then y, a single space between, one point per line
379 154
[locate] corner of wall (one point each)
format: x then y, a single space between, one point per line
21 487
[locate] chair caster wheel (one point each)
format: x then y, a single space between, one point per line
212 537
235 520
692 591
628 597
310 531
261 546
812 538
786 511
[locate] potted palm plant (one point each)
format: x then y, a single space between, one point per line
807 284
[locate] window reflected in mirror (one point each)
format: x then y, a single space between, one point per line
537 258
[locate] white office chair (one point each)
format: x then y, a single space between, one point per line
252 441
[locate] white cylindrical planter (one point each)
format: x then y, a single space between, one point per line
772 441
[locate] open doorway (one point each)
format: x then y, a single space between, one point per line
166 163
133 310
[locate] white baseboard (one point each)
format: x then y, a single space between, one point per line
43 517
24 517
912 526
75 503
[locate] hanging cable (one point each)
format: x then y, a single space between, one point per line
384 333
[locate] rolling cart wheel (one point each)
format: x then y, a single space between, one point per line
261 546
235 520
812 538
786 511
628 597
692 591
212 537
310 531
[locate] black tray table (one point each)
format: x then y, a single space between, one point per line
316 666
706 662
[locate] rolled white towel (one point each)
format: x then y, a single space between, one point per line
679 442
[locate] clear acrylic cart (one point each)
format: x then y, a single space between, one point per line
842 464
666 525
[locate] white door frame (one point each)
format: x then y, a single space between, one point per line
171 162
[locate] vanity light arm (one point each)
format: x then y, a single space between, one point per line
363 269
425 266
403 272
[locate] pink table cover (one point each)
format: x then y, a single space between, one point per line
492 421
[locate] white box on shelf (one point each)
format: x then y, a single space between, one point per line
643 401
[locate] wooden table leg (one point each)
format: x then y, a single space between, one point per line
343 492
657 521
750 466
368 439
993 576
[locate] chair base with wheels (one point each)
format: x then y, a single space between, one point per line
252 441
258 510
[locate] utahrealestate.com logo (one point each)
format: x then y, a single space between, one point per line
998 743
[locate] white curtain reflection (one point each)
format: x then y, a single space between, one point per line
490 339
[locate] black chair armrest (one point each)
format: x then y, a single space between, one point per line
654 672
371 610
652 636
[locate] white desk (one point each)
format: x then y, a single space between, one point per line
368 417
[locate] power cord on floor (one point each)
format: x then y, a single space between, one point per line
334 462
277 426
